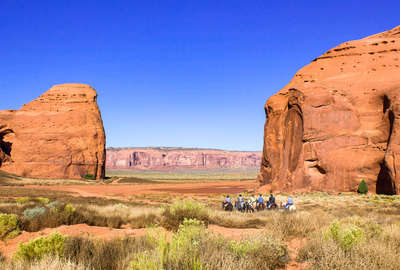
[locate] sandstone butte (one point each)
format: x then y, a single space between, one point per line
338 121
166 158
58 135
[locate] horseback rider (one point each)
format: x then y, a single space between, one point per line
240 202
289 202
260 200
271 201
227 199
227 204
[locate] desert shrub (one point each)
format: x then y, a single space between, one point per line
90 177
22 200
144 220
347 237
52 204
181 253
362 187
233 220
69 209
175 214
298 224
192 247
104 254
34 212
66 215
9 226
328 254
40 247
43 200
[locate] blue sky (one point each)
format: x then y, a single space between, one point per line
175 73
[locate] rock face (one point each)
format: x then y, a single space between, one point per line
58 135
338 121
179 158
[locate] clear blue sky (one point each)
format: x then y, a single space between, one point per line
175 73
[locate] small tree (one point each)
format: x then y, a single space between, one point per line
362 187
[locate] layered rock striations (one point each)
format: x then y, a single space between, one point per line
338 121
179 158
58 135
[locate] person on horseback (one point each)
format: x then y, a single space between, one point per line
240 203
260 200
271 201
289 202
227 204
228 199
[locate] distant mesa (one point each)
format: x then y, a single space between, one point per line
337 122
169 158
58 135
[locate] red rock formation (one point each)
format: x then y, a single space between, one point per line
337 122
176 158
58 135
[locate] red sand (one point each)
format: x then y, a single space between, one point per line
129 190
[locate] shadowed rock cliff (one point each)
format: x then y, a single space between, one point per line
337 122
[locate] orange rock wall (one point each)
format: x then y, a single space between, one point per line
337 122
58 135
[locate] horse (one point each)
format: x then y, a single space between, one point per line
260 206
240 206
290 208
272 206
250 206
227 206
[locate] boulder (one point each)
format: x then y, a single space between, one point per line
337 122
58 135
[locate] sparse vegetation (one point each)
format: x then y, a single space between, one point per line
343 231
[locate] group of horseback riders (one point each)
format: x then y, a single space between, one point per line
253 204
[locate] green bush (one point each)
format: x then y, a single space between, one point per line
40 247
9 226
344 237
43 200
175 214
362 187
90 177
22 200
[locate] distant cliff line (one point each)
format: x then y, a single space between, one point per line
165 158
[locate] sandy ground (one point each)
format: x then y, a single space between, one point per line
205 188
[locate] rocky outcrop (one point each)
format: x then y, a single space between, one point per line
337 122
58 135
179 158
